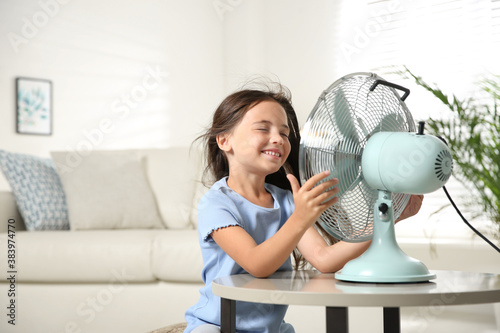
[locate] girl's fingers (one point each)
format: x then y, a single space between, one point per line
329 186
322 192
312 183
326 185
327 198
309 185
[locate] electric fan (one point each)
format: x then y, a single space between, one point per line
361 130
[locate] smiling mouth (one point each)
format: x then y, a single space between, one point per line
272 153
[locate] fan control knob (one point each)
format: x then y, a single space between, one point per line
383 208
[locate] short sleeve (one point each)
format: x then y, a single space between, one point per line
215 211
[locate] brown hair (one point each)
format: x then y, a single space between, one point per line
230 112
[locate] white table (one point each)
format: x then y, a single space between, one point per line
314 288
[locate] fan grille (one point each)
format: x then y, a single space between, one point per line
346 115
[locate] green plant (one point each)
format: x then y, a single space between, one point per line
473 134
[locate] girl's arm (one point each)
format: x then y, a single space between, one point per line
332 258
328 258
262 260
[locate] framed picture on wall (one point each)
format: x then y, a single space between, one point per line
33 106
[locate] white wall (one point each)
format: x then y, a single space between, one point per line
287 40
152 71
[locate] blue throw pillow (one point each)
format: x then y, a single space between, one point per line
37 189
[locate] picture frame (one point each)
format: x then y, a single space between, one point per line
33 106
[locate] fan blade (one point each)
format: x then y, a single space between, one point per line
347 159
343 117
390 123
345 162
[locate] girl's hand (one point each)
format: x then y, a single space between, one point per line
312 200
412 207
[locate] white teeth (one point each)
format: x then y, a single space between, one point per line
272 153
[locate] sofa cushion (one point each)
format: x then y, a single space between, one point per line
38 191
173 173
177 256
83 256
106 255
107 190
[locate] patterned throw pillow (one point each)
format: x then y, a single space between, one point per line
37 189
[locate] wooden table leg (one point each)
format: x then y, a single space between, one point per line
227 315
392 320
337 320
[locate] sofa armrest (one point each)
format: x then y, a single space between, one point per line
8 210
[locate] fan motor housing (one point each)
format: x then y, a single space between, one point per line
402 162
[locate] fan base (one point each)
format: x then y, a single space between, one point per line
403 270
385 279
384 261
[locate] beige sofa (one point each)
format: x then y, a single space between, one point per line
124 277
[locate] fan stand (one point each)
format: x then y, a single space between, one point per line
384 261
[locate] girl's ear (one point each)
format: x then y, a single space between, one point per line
223 142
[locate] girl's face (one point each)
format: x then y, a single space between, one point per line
259 143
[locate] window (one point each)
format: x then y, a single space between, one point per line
453 43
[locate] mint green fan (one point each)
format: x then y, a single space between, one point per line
362 132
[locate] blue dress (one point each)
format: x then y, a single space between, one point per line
221 207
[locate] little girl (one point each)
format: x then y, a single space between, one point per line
256 213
